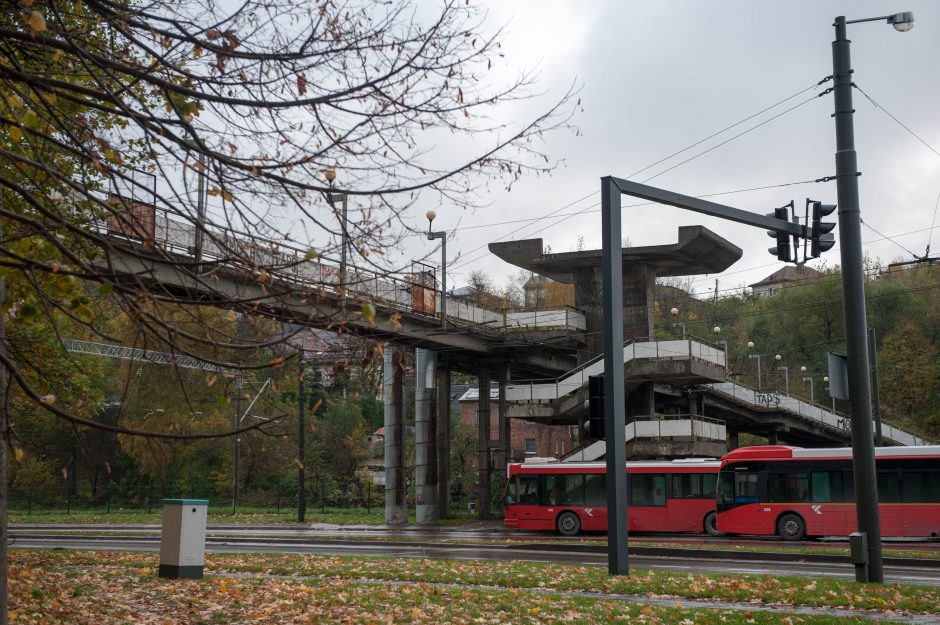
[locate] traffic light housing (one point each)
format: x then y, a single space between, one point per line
782 249
596 406
821 237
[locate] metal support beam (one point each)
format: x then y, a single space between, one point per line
853 296
614 400
426 509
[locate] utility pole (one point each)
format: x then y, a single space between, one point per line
301 483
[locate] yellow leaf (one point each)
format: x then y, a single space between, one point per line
17 454
47 399
15 134
368 311
37 23
300 465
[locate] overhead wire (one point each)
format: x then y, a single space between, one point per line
674 154
922 141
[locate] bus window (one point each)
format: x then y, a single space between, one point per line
921 486
746 488
829 486
693 485
709 484
787 487
565 489
528 490
889 487
595 490
647 489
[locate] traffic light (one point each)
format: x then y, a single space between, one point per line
782 249
596 406
821 237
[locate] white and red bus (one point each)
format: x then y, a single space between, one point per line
571 497
797 493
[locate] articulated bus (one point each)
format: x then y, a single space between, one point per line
797 493
571 497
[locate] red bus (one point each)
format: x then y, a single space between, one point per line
571 497
796 493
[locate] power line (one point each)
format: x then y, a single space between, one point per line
699 142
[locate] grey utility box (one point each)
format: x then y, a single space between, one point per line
183 539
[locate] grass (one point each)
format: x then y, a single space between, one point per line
63 587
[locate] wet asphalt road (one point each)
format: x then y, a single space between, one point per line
398 543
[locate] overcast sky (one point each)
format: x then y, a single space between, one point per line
660 76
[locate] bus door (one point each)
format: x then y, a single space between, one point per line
525 501
647 504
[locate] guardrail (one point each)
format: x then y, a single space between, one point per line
284 262
634 349
812 412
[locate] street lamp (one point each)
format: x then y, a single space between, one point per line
675 313
722 342
853 293
786 374
332 198
442 235
807 378
750 345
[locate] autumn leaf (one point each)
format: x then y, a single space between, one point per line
301 84
37 23
18 454
368 311
47 399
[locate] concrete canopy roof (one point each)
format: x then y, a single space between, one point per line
698 251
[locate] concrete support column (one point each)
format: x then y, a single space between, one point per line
426 465
483 452
772 437
733 440
504 427
639 280
641 402
393 379
443 441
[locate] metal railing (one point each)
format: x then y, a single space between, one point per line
821 415
633 349
287 263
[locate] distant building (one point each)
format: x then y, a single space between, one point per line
526 440
787 277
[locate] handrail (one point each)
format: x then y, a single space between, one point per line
287 263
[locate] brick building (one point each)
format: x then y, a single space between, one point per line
527 440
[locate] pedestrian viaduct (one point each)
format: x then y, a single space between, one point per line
679 400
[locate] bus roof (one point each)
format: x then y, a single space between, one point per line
681 465
783 452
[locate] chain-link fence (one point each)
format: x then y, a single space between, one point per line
320 494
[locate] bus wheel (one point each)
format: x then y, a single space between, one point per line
711 524
791 527
569 524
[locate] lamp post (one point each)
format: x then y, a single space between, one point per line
675 313
853 293
786 374
808 378
301 478
750 345
826 380
332 198
442 235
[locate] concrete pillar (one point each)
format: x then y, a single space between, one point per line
733 440
426 466
443 441
504 427
395 511
641 402
639 280
772 437
483 452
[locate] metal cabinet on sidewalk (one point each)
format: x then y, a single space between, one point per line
183 538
